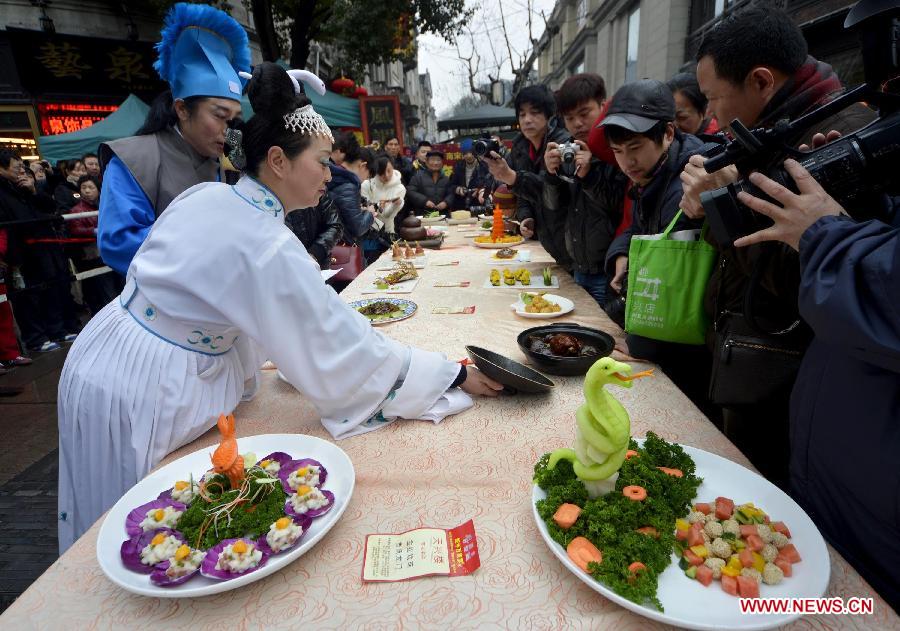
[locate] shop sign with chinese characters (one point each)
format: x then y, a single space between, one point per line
49 63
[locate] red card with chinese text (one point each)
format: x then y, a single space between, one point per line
421 552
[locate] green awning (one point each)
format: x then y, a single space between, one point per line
122 123
481 117
337 110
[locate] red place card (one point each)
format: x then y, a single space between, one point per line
421 552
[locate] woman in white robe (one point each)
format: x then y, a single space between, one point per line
219 285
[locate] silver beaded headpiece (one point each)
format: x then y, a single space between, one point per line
305 120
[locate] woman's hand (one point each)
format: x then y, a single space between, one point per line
477 383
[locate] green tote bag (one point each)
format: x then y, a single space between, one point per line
667 277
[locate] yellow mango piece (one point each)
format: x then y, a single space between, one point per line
182 552
181 485
700 551
735 563
159 514
158 539
239 547
730 571
681 524
759 563
283 523
303 490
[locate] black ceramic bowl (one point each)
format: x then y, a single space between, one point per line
554 365
514 376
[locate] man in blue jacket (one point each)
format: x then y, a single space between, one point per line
845 406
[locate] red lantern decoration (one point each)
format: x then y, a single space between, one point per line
360 91
343 85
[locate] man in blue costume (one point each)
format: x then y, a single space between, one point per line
201 55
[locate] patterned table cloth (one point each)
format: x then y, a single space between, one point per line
476 465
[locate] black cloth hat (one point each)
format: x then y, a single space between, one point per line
639 105
435 152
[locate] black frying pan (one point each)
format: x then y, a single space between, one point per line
514 376
603 342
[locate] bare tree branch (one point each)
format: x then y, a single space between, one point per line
472 62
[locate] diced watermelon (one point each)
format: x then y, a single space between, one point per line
755 543
695 535
692 558
729 585
779 526
789 553
785 565
703 508
704 574
681 535
748 587
747 530
725 500
746 557
724 508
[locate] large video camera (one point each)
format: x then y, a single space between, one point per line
851 169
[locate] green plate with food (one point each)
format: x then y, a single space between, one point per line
385 310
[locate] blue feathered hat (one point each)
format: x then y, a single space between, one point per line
201 51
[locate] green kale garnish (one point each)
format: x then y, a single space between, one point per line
546 477
611 521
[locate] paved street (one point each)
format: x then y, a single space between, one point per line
28 473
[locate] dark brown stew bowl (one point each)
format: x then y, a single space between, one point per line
514 376
569 366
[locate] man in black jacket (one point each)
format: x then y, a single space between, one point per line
754 67
318 229
651 151
522 170
430 188
43 314
590 202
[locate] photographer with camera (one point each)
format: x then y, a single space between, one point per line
522 169
584 192
470 175
845 402
754 68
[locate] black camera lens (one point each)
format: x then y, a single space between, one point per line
484 146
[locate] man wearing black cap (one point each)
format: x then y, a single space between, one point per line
652 152
430 189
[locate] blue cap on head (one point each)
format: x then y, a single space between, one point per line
466 145
201 51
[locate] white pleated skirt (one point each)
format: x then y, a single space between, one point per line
127 399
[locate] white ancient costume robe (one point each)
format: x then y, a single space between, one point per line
220 285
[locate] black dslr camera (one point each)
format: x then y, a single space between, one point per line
851 169
483 147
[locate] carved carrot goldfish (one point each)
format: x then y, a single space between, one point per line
226 459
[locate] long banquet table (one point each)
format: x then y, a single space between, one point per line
475 465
